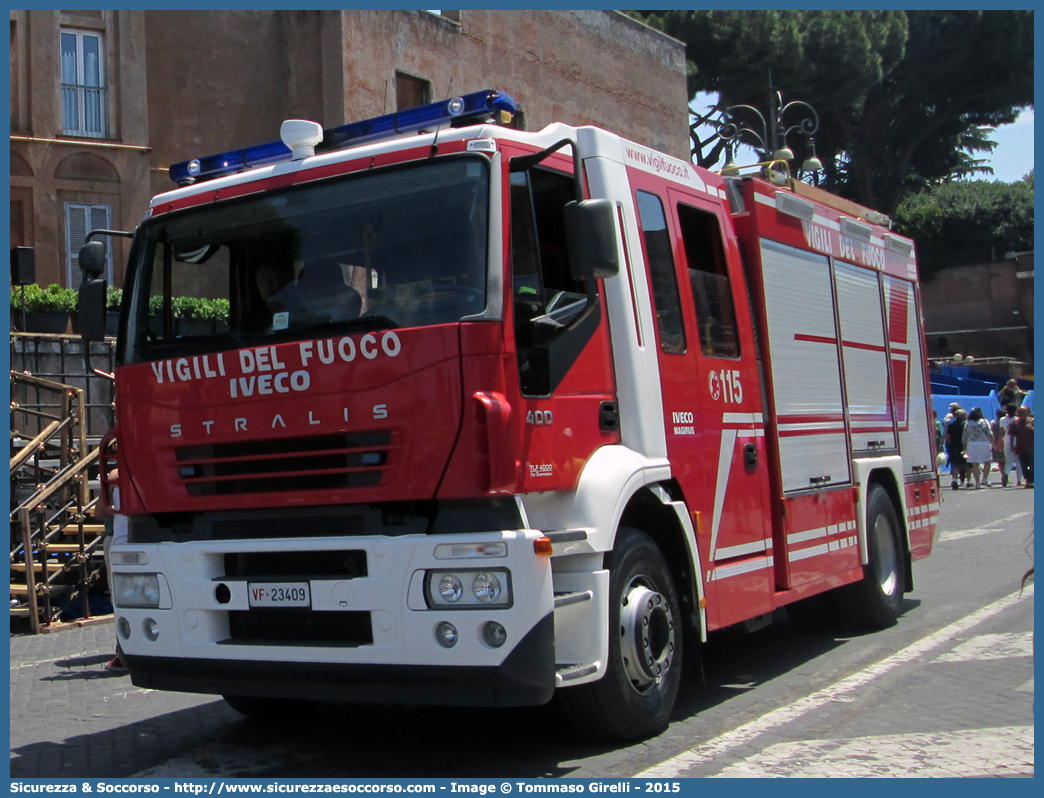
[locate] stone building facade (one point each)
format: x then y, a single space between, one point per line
103 102
985 311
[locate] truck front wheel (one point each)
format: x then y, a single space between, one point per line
636 695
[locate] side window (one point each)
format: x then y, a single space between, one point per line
711 291
666 296
83 84
544 294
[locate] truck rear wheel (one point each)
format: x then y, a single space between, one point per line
877 600
636 695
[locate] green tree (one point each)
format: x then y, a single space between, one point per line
964 222
903 97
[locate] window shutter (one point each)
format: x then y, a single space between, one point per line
75 232
100 221
81 219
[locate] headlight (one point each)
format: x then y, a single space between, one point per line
461 589
486 588
136 590
450 588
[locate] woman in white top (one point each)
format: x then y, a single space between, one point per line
978 446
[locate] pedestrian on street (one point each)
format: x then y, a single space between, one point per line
955 449
1021 433
1011 394
978 447
939 439
1011 461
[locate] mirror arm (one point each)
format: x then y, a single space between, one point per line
523 163
99 232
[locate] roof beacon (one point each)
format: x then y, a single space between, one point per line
469 109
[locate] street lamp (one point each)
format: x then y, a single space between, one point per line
745 124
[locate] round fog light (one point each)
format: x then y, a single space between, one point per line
150 629
494 634
123 627
446 634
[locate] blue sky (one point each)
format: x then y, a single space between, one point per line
1013 157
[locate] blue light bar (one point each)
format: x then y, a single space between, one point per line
469 109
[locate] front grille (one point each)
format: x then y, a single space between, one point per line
282 525
322 462
337 563
299 627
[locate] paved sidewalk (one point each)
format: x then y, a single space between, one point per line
72 718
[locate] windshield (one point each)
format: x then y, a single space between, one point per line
399 248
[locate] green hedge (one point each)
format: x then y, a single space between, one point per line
38 299
54 297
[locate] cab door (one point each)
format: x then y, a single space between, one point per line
566 385
712 400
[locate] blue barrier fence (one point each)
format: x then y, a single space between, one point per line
989 404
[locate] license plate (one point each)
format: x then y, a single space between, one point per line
279 594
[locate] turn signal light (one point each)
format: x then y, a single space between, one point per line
542 545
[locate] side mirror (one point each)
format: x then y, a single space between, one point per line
591 238
91 308
92 259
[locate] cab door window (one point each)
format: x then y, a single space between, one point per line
709 278
544 294
666 294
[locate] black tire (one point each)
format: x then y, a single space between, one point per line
876 601
635 697
273 709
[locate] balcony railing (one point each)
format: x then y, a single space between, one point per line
83 111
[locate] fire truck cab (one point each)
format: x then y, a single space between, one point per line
498 413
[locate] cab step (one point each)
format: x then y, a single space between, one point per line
569 671
576 597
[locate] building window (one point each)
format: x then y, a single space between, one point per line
80 219
83 84
411 92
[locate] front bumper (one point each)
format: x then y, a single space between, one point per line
525 678
368 635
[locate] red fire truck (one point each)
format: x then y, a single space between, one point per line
500 413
